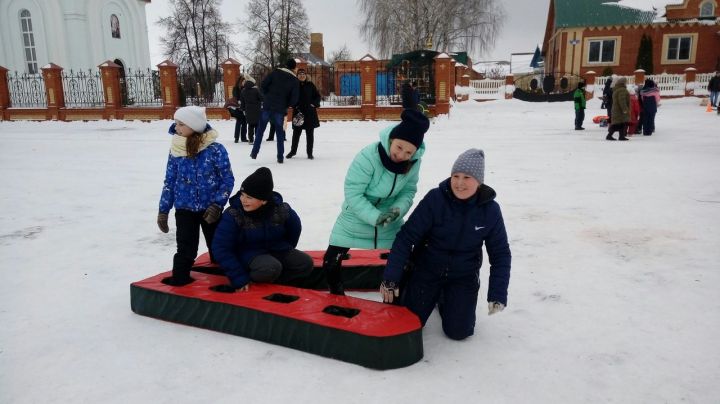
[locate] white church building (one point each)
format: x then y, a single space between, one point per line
73 34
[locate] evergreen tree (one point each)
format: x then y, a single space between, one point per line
645 55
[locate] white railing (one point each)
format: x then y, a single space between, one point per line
669 84
701 83
487 88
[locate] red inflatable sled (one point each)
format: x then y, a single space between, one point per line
359 331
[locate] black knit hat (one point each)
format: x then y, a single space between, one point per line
412 128
259 184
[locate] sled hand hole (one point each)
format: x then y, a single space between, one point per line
384 256
341 311
281 298
345 257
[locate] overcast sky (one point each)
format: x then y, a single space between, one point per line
339 21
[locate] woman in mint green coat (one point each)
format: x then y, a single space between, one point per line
379 189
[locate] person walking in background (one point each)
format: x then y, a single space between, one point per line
635 109
608 96
256 240
305 115
650 95
409 95
579 98
379 189
442 243
620 114
251 103
280 90
198 183
714 89
240 122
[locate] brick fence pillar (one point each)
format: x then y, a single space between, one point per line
639 77
52 75
509 86
169 88
368 83
110 74
443 65
589 78
4 94
690 74
231 72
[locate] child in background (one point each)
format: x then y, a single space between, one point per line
379 189
198 183
579 101
442 241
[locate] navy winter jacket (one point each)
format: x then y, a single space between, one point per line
448 234
281 90
240 237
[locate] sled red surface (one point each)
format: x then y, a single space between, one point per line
354 330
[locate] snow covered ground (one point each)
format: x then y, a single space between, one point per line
613 296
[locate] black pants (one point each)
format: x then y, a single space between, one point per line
309 142
188 237
618 127
579 117
332 264
280 267
240 128
649 123
251 132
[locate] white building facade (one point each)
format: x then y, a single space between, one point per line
73 34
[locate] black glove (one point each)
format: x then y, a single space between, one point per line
223 288
162 222
212 213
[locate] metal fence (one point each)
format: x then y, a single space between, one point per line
487 88
141 88
192 91
26 90
83 89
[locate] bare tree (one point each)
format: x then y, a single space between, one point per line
341 54
197 40
404 25
277 28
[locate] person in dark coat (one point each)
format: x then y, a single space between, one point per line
251 103
714 89
442 243
280 90
237 112
257 237
307 105
650 96
608 97
409 95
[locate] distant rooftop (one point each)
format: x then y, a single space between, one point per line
599 13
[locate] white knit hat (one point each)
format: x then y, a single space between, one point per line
192 116
472 163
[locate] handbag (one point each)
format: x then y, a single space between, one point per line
298 119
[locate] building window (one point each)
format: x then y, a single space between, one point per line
114 26
28 42
707 9
602 51
679 48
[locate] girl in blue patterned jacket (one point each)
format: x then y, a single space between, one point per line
198 183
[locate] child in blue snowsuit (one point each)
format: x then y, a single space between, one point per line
442 243
257 237
198 183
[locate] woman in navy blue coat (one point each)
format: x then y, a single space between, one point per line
442 243
257 235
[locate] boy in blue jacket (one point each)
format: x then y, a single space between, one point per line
257 236
442 241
